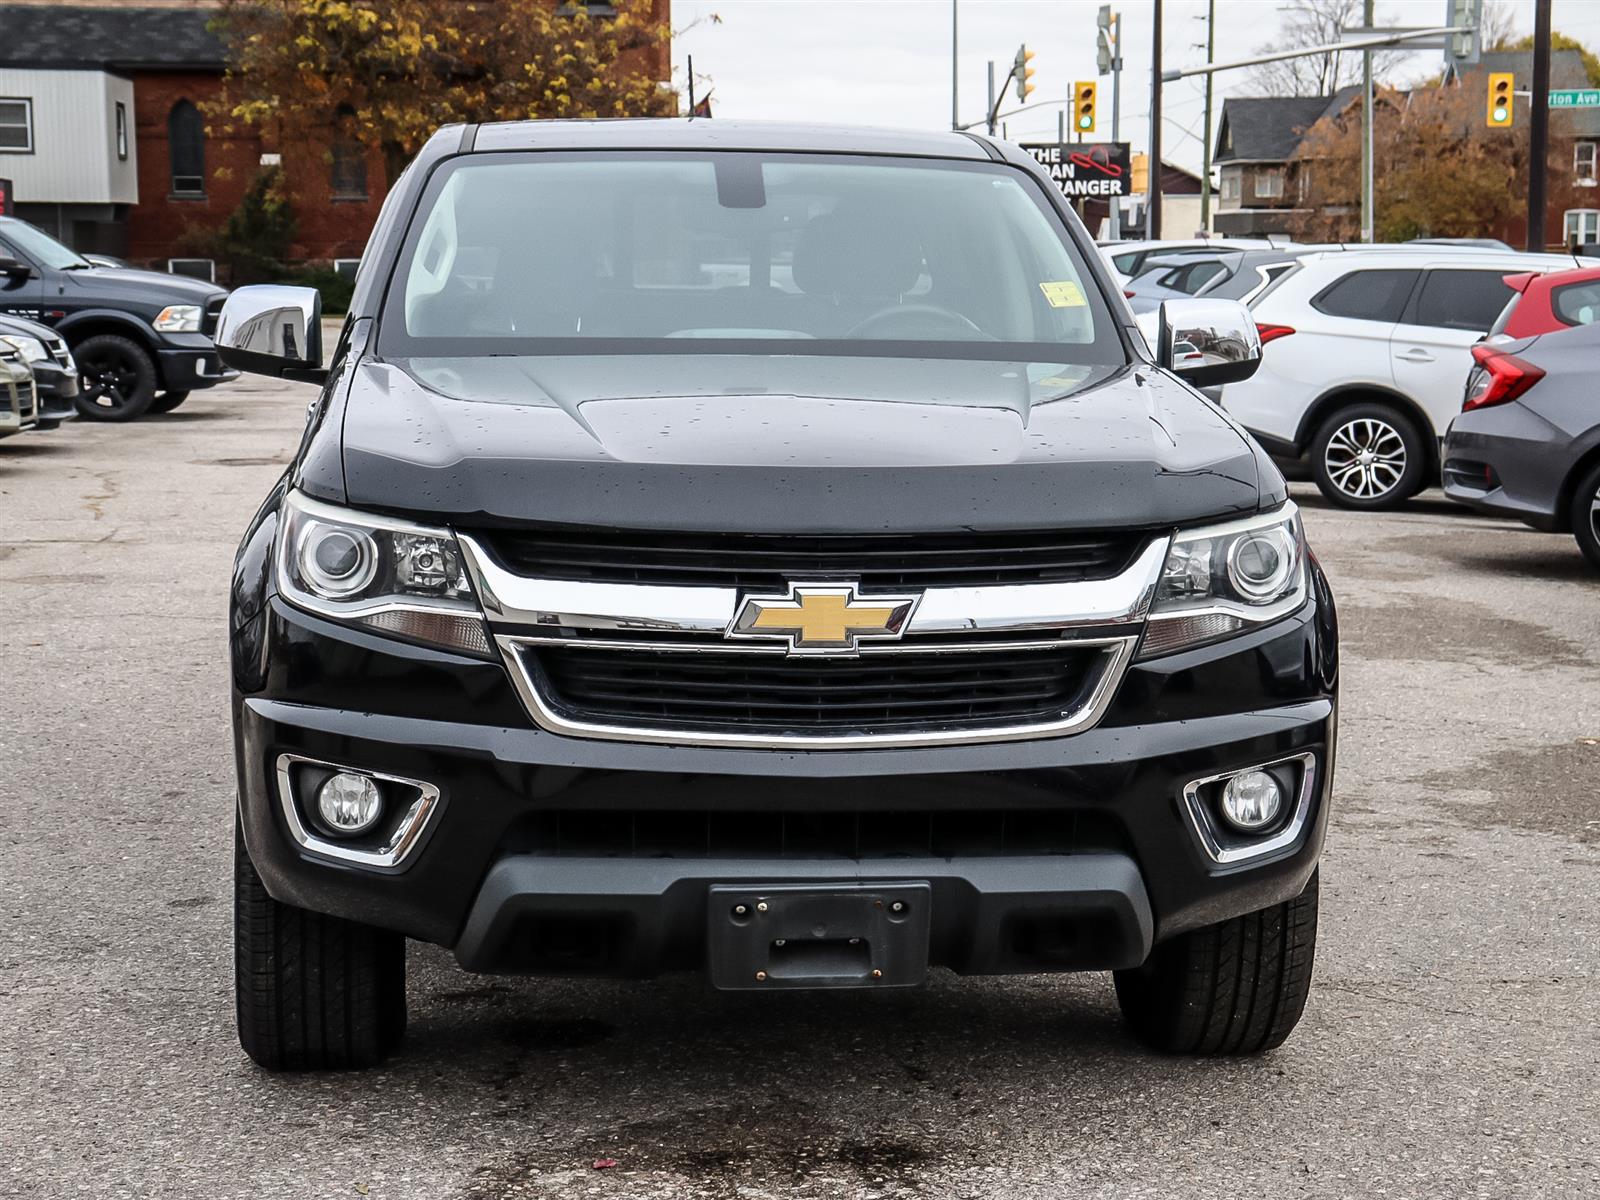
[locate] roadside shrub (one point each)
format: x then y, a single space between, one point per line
334 287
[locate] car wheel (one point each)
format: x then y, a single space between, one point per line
1586 515
1369 456
168 401
119 380
312 992
1237 987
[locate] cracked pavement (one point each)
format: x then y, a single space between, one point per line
1449 1047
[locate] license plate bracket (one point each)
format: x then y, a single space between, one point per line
792 936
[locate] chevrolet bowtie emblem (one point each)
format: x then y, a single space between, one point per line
822 618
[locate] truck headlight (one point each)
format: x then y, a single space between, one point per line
31 349
178 318
389 575
1222 579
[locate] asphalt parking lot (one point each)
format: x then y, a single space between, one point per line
1449 1048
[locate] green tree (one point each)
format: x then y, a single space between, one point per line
405 67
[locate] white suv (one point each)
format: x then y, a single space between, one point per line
1365 354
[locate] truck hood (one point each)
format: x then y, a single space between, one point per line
789 444
148 287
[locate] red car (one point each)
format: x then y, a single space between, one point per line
1547 303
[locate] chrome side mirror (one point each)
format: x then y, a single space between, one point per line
1207 342
271 329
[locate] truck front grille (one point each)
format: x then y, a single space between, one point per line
775 694
878 561
213 310
605 833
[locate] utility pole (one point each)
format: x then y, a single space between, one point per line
1152 211
1367 223
1116 110
1205 170
955 71
1539 125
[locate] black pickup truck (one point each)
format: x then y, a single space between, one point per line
774 552
142 340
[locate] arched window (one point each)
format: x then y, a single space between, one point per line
186 149
348 164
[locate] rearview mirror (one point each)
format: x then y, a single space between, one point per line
12 269
1207 342
271 329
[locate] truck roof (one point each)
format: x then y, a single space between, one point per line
678 133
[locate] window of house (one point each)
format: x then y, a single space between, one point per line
16 126
186 149
122 131
348 159
1367 295
1582 225
1583 160
1230 185
1269 183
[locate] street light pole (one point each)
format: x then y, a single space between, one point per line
1152 211
1205 168
955 71
994 106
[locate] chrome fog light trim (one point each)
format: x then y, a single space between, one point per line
1227 846
403 838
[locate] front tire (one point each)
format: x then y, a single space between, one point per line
1237 987
119 378
1585 515
168 401
312 992
1369 456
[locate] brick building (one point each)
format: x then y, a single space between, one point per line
104 136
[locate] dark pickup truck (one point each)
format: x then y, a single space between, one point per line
142 340
774 552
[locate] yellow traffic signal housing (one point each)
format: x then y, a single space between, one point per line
1022 72
1141 173
1083 106
1502 86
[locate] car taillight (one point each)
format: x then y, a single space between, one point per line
1499 377
1127 293
1271 333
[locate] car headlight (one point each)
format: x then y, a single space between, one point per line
389 575
31 349
1222 579
178 318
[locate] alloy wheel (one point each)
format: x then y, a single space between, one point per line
1365 458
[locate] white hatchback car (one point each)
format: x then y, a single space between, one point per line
1365 355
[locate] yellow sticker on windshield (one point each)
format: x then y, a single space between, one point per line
1064 294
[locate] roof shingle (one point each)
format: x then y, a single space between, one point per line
68 36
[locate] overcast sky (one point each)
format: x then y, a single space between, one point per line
887 62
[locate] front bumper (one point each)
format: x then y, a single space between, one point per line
57 391
1507 461
190 364
544 852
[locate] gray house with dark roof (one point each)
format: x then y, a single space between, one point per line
1257 137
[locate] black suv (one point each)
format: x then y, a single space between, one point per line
776 552
142 340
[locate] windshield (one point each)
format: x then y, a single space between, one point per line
40 246
741 253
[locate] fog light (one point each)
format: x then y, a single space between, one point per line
1251 800
349 804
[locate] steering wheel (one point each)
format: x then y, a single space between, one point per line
920 316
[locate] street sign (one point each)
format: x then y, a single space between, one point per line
1083 169
1575 98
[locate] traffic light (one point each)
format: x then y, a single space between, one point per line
1141 173
1023 73
1083 93
1500 92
